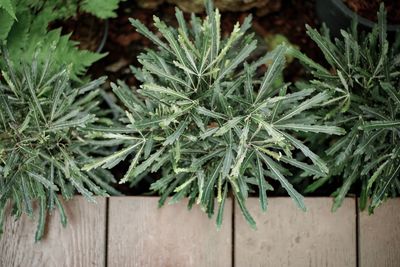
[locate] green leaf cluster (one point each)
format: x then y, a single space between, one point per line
43 123
364 82
100 8
25 27
208 122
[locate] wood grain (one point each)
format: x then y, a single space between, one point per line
142 235
81 243
287 236
379 235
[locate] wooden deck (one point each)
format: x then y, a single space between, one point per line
132 231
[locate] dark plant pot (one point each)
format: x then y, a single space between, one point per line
337 16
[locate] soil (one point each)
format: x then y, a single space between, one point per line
85 28
368 9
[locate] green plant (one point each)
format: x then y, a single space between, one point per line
43 119
207 122
364 84
25 25
100 8
64 8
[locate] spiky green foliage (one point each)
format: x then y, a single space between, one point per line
43 119
364 84
208 123
25 25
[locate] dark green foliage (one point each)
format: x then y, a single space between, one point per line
62 9
364 84
100 8
43 120
25 26
208 123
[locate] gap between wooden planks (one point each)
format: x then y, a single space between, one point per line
140 234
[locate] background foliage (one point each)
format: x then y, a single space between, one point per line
25 27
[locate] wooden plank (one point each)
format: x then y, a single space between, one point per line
81 243
142 235
287 236
379 235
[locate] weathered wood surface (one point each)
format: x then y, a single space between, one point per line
379 236
81 243
287 236
140 234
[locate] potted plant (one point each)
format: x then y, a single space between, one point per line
60 65
363 81
42 148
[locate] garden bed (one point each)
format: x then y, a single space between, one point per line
131 231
